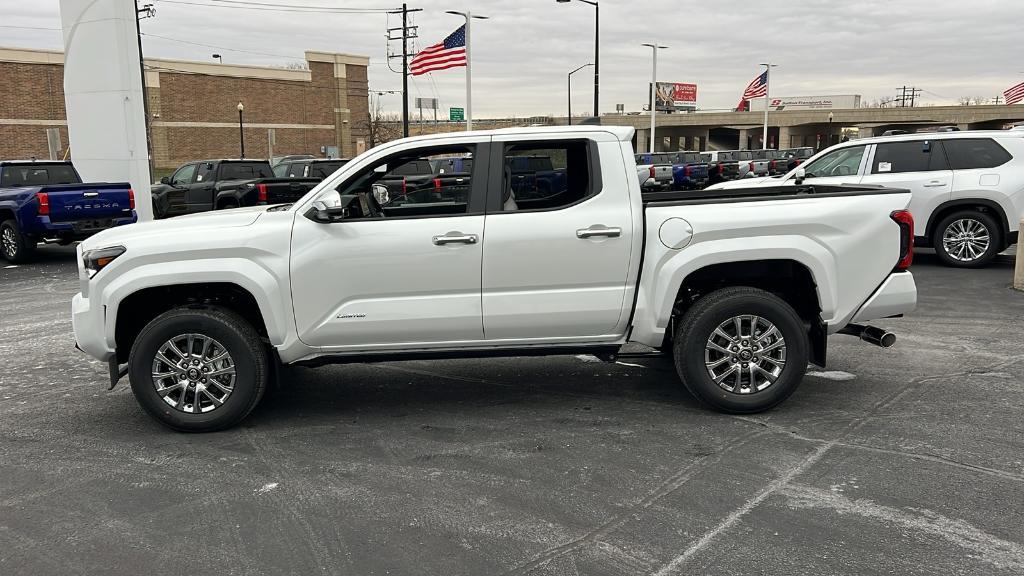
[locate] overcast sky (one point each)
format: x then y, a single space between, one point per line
522 54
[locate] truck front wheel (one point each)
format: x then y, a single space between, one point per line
741 350
198 370
15 246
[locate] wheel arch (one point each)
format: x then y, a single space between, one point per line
147 291
791 280
982 204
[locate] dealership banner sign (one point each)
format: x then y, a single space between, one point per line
807 103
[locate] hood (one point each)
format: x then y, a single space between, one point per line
173 227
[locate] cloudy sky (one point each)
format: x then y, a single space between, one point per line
522 54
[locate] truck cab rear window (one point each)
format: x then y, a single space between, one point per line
240 171
41 175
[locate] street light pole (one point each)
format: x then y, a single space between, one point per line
241 132
569 122
469 63
767 100
829 143
597 52
654 86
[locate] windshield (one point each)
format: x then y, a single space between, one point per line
842 162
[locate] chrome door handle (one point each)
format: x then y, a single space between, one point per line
455 238
594 232
934 184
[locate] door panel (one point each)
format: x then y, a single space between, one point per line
372 283
562 273
919 166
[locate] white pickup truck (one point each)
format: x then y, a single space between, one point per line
742 288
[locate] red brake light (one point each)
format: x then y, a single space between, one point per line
405 186
437 185
751 167
131 199
44 203
261 190
772 165
688 171
652 171
906 223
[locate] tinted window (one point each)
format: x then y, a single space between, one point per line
410 190
206 172
913 156
324 169
420 167
690 158
968 154
245 170
546 176
842 162
744 156
281 170
726 156
38 175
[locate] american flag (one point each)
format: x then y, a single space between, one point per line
758 88
448 54
1015 94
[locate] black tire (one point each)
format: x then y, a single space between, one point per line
236 336
15 247
976 218
699 323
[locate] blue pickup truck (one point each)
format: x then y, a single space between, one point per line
44 201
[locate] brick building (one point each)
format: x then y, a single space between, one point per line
193 106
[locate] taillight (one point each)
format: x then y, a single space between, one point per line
437 185
906 223
261 191
772 166
751 167
688 171
44 203
652 171
405 186
131 199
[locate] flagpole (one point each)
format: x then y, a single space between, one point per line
767 99
469 64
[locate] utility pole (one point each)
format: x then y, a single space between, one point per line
907 96
998 100
408 33
149 12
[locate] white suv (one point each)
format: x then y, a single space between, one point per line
968 187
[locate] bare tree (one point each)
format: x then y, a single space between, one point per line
296 65
380 126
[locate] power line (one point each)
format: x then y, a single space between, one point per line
225 48
281 7
28 27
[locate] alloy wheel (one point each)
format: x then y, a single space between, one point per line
745 354
966 240
193 373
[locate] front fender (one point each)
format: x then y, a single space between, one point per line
264 287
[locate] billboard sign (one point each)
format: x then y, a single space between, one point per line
674 96
779 104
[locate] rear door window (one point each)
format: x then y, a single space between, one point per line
975 153
912 156
547 176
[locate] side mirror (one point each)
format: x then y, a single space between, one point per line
332 207
380 193
166 180
799 176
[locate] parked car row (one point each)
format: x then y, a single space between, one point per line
695 170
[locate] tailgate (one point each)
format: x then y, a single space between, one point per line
288 191
88 202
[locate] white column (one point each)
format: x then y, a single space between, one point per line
767 101
104 97
654 84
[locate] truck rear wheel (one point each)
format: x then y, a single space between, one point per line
741 350
15 247
198 370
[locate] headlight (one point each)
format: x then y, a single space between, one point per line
96 260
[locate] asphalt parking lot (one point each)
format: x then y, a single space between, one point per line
901 461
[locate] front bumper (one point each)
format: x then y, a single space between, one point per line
90 332
896 296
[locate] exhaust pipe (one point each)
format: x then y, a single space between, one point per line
871 334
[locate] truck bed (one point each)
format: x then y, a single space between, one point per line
683 198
